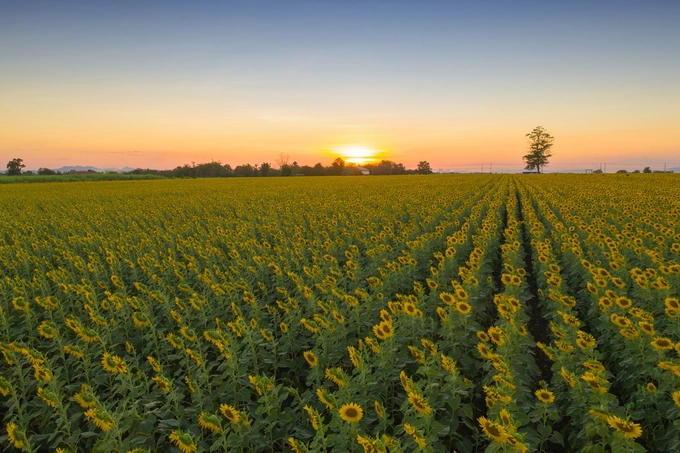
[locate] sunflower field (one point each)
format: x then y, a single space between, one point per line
436 313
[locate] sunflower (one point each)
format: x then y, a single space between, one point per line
676 397
47 329
74 351
419 403
504 415
41 374
338 317
337 375
112 363
605 304
88 335
483 336
448 364
545 396
5 386
311 358
545 350
313 416
618 282
15 436
410 309
493 430
379 409
386 329
442 314
629 429
405 382
585 340
624 302
211 422
48 397
594 382
230 413
140 319
447 298
325 398
496 335
672 303
351 412
620 321
417 354
100 418
188 333
662 343
629 333
373 345
647 327
154 364
162 383
85 398
353 356
598 414
411 431
517 444
651 388
427 344
464 308
566 347
295 446
175 341
484 351
183 441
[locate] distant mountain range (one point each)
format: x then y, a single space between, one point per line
67 169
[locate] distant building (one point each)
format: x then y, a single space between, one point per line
364 171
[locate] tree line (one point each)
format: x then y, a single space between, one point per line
338 167
216 169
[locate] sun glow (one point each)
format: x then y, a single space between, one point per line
358 154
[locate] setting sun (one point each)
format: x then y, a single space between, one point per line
358 154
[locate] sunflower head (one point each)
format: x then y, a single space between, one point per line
493 430
351 412
545 396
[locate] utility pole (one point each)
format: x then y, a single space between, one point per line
489 168
605 167
482 168
664 167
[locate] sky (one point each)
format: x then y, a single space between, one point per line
457 84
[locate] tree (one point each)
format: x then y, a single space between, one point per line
264 168
318 170
46 171
540 143
282 160
337 167
647 170
424 168
14 167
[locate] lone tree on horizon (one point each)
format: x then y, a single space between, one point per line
540 142
14 167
